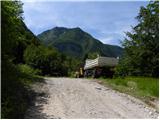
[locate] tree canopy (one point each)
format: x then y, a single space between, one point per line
141 47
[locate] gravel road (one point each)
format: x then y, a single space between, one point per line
83 98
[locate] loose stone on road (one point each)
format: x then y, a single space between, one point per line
83 98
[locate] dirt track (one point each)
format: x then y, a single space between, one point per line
82 98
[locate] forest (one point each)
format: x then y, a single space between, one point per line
25 59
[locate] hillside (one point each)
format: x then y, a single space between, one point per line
77 43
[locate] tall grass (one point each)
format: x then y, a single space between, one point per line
142 87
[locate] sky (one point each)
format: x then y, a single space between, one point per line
105 20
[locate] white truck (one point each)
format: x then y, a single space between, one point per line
101 66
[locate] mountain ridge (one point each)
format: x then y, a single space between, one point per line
77 43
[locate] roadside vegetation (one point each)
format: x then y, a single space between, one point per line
16 95
141 46
145 88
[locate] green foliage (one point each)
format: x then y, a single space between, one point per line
15 34
14 39
142 87
14 95
26 69
92 55
12 89
46 59
77 43
26 38
15 92
11 17
141 48
72 64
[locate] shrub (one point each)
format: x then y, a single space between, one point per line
14 94
26 69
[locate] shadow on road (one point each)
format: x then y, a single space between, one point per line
38 97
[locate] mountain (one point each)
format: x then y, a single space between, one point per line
77 43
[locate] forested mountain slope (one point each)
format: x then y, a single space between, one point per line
77 43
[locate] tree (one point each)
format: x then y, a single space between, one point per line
11 15
15 35
46 59
15 38
13 92
141 47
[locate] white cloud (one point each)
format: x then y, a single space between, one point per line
106 21
107 40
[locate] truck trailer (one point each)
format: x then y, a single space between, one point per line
101 66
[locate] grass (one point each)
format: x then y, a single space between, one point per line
144 88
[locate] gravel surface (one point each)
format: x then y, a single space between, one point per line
82 98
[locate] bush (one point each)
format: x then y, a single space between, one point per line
46 59
26 69
14 94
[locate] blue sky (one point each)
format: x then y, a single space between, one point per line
105 20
